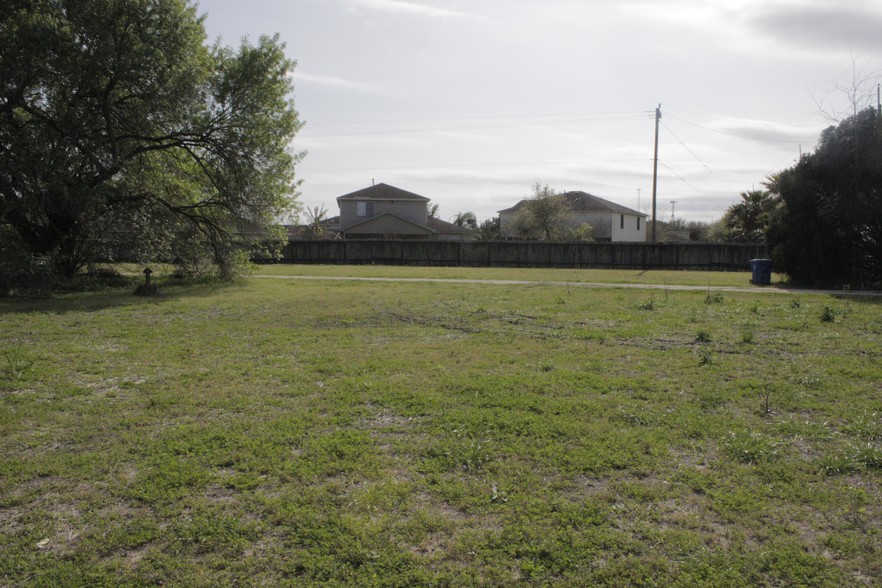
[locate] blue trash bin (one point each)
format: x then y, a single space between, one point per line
761 272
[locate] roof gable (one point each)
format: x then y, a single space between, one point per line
383 192
446 228
366 225
585 202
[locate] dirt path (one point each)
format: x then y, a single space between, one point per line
672 287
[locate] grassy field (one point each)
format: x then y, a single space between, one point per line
655 277
291 432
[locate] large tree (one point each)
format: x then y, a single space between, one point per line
488 230
829 229
544 216
121 129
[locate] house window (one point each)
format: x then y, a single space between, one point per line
638 223
621 221
364 209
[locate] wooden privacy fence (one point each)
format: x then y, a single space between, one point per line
697 256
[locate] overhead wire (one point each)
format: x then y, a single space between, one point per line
640 114
682 179
454 165
539 120
739 135
697 158
584 119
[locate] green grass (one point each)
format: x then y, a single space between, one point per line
655 277
291 432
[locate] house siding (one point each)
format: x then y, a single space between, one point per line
630 233
414 212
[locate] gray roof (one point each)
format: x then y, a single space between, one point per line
585 202
382 192
446 228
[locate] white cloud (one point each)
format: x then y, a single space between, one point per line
332 81
762 130
404 7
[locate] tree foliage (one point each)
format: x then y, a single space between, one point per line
122 130
747 221
316 217
829 229
544 216
465 219
488 230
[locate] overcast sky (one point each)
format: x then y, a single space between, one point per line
470 102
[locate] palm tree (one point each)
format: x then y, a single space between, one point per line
748 219
315 217
465 219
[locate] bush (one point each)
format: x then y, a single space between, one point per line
22 273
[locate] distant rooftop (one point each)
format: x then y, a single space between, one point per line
382 192
585 202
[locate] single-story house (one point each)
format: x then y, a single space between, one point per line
610 222
383 211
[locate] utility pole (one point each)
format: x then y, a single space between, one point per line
673 204
655 170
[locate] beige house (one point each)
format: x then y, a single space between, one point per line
386 212
610 222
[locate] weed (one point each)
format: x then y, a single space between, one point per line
633 418
17 364
705 356
853 458
795 304
868 455
713 297
766 400
497 496
867 426
647 304
810 381
702 336
835 463
463 449
828 315
749 447
747 334
804 429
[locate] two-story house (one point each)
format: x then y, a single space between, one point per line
610 222
384 211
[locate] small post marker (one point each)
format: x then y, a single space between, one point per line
147 289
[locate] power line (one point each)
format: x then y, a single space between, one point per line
454 165
585 118
639 114
697 158
740 136
732 119
682 179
